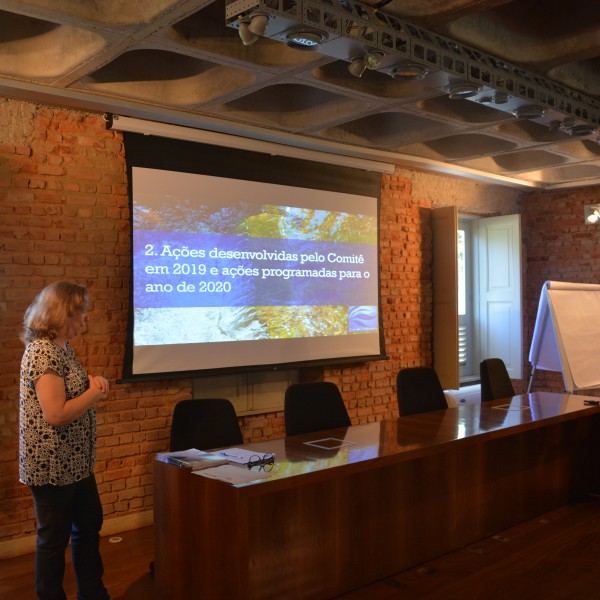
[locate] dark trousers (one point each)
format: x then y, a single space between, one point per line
68 512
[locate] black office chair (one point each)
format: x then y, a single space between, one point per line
419 390
310 407
495 381
204 424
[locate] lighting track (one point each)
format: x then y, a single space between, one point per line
351 29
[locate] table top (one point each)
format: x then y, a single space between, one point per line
409 437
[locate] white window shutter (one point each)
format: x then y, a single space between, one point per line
500 312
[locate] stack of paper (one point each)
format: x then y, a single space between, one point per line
233 474
216 465
192 459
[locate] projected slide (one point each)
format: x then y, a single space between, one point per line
229 272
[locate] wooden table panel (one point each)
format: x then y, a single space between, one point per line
402 492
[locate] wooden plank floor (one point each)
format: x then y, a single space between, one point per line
554 557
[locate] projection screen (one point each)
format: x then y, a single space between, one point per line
240 274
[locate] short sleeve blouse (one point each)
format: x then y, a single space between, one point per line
53 455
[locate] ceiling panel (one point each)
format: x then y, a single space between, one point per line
184 62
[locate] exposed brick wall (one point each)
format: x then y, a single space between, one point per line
64 214
559 246
406 298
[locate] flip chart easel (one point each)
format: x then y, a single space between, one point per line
566 337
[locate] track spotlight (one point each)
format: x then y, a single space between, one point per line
258 23
497 98
530 111
591 213
463 90
373 59
570 126
248 38
582 130
410 71
357 66
304 38
252 27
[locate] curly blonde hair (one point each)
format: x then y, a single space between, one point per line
47 314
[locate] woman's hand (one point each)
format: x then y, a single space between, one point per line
50 389
100 383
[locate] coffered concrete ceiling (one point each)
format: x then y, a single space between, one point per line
177 61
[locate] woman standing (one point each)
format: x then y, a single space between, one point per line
57 442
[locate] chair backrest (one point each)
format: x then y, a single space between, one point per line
314 406
204 424
419 390
495 381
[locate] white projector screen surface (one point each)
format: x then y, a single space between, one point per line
231 273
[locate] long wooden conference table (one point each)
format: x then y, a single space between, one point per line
346 507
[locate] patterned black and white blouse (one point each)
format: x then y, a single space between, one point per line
55 455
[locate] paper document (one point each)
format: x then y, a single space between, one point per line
329 443
232 474
192 459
